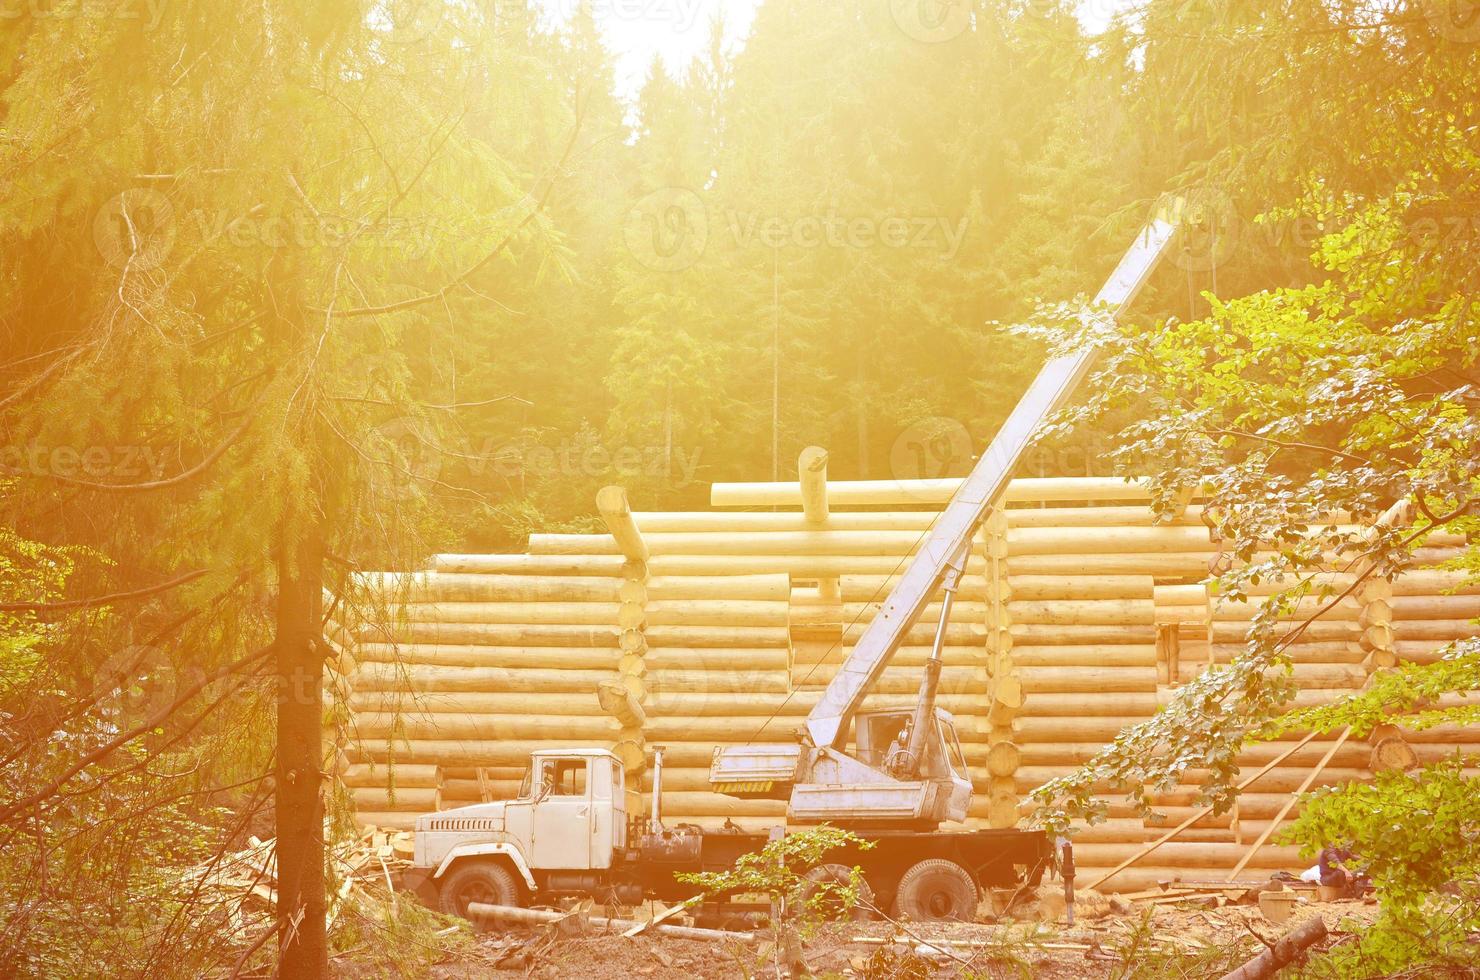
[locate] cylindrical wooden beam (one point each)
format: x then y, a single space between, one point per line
383 820
775 588
1087 679
1079 655
548 612
1003 759
618 701
796 565
1007 700
1106 540
383 799
1182 564
594 564
1392 754
717 612
1304 785
921 492
417 776
426 727
394 587
391 677
812 477
1140 853
474 655
491 634
617 515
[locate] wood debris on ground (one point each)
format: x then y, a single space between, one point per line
1211 939
241 886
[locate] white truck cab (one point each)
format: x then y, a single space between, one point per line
565 827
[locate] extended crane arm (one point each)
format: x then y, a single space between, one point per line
827 725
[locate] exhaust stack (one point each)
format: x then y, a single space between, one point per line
656 821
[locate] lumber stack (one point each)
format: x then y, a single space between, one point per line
1078 614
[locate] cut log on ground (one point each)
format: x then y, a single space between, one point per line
1286 950
517 916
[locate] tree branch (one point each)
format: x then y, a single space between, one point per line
169 481
104 600
123 738
494 253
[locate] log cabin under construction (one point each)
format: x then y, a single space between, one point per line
1078 615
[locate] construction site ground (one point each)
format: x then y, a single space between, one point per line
1139 939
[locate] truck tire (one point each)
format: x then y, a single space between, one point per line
936 890
477 881
839 874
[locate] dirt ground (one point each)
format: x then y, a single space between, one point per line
1155 940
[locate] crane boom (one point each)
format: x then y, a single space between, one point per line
827 724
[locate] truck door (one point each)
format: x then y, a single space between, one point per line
562 815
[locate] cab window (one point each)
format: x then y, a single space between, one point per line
566 777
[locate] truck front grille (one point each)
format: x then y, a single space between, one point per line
465 823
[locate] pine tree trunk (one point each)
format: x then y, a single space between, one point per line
300 811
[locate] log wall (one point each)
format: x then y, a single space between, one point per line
1077 615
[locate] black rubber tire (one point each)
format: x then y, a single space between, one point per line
477 881
937 890
839 874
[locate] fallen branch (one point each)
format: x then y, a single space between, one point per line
1286 950
518 916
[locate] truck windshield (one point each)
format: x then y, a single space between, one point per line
526 789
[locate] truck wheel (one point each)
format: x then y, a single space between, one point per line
838 874
936 890
479 881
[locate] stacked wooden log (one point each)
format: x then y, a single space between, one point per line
393 795
1078 614
467 667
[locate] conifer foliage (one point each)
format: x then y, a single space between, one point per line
294 289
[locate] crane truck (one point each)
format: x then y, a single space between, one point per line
892 776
